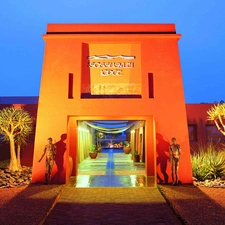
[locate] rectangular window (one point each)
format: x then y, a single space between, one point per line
192 132
70 86
150 85
213 134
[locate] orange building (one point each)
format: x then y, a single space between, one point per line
111 72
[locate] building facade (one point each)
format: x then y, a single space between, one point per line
114 72
200 131
111 72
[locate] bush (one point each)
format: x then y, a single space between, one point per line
208 162
92 148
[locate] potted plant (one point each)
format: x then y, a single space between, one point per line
126 147
93 151
136 156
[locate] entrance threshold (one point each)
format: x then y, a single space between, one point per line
111 168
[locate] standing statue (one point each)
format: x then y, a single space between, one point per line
50 151
175 151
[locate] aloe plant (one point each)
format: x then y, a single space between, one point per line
15 126
217 114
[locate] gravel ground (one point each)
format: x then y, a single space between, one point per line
29 205
196 205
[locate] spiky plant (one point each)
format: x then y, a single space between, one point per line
208 162
217 114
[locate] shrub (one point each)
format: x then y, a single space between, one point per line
92 148
208 162
126 143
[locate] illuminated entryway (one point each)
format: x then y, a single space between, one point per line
112 167
111 134
81 135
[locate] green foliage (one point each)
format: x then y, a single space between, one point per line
126 143
92 148
99 135
208 162
135 152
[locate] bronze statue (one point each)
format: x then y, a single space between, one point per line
50 151
175 151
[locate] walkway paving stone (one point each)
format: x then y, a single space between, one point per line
38 204
109 206
111 198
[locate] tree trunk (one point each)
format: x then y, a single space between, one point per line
18 156
13 160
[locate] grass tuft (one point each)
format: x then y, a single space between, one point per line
208 162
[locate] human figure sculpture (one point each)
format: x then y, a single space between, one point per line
50 151
175 151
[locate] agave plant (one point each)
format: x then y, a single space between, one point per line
208 162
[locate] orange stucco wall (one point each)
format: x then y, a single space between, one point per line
165 114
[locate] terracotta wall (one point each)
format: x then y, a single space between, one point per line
165 113
197 115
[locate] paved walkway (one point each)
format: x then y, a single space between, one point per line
140 203
111 190
111 206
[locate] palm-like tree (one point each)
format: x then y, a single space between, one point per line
20 141
99 136
15 125
217 114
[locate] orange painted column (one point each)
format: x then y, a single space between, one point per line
72 144
150 147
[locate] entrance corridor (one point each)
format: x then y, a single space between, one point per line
111 168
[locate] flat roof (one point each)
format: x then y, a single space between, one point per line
126 28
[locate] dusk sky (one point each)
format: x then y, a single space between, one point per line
201 24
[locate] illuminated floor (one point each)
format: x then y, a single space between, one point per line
112 168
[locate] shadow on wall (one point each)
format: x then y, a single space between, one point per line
162 149
59 159
27 154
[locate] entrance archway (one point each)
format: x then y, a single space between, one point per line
142 139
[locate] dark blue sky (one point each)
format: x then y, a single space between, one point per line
201 23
